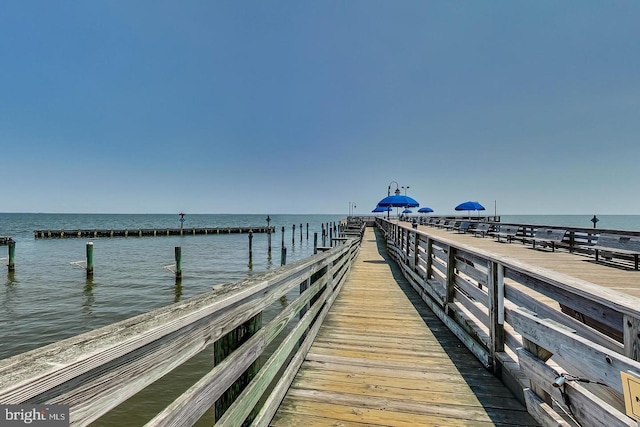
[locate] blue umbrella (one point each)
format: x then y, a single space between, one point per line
407 211
381 209
425 210
398 201
470 206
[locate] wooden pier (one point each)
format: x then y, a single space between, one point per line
146 232
382 358
397 326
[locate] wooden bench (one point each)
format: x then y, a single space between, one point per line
450 224
481 228
507 231
547 235
462 227
620 244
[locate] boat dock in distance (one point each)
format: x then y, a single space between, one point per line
147 232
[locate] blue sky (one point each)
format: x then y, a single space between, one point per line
304 107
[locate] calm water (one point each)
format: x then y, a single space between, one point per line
49 299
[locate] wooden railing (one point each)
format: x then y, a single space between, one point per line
507 313
96 371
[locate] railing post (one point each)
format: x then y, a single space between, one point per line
429 255
407 241
416 251
495 287
450 290
631 337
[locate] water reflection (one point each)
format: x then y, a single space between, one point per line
89 300
178 290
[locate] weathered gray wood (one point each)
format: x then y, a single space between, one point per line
576 354
479 295
496 307
450 275
591 304
478 310
542 412
192 404
588 409
519 298
631 337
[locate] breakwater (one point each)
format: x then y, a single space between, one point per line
147 232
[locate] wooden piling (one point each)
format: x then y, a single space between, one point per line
12 255
315 243
293 235
330 236
224 347
89 259
307 231
250 247
178 254
301 232
283 236
283 256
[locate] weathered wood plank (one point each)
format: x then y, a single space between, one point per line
588 409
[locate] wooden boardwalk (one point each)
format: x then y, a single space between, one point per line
382 359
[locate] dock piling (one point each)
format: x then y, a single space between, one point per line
89 259
178 254
268 235
283 256
293 235
250 247
12 255
315 243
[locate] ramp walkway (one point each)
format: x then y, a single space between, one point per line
383 359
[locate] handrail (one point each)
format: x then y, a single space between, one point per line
95 371
508 314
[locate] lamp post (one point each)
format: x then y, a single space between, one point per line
389 188
389 192
352 207
405 189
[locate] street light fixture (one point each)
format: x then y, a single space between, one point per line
405 189
352 207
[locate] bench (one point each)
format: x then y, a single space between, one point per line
462 227
547 235
481 228
507 231
620 244
451 224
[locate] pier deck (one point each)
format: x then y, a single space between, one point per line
382 358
